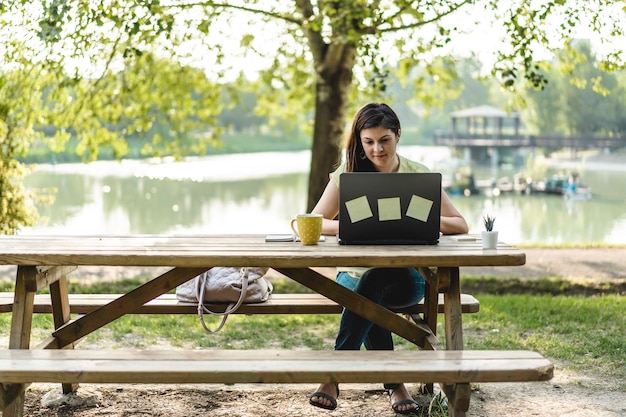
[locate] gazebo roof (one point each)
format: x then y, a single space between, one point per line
480 111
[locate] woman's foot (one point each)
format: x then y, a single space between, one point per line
401 400
325 397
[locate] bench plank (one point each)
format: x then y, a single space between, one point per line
271 366
168 304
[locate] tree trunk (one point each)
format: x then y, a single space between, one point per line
331 102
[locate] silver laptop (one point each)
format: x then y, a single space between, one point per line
378 208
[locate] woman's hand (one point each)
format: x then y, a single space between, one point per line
452 222
328 206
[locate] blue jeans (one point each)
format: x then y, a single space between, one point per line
389 287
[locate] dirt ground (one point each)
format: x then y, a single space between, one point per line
563 396
566 395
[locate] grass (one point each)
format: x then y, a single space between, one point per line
584 334
545 285
581 334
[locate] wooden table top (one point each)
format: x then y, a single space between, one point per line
243 250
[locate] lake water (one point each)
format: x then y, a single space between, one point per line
260 193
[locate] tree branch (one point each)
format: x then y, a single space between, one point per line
316 42
82 100
373 30
285 17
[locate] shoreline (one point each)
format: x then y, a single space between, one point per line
217 167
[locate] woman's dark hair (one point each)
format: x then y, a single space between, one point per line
370 115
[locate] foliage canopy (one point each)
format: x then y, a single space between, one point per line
109 71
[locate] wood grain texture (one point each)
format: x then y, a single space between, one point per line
242 366
242 250
168 304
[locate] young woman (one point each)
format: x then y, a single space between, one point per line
372 146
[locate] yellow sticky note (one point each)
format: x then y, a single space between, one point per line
419 208
389 209
358 209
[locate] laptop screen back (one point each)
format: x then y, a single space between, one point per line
389 208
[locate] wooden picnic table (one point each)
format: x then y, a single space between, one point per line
44 261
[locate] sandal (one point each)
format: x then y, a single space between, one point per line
396 406
333 400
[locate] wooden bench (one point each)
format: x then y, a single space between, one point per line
454 370
168 304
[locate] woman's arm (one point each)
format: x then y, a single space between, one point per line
452 222
328 206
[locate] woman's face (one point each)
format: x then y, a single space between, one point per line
379 144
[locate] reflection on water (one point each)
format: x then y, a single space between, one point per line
110 200
117 205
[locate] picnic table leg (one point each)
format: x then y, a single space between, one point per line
458 399
458 394
431 305
21 323
431 300
61 315
452 307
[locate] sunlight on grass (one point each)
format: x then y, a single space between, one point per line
585 332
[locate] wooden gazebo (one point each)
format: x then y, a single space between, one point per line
483 133
486 132
485 121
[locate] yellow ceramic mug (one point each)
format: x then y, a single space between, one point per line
308 229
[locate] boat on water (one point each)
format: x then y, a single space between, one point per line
583 193
570 187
